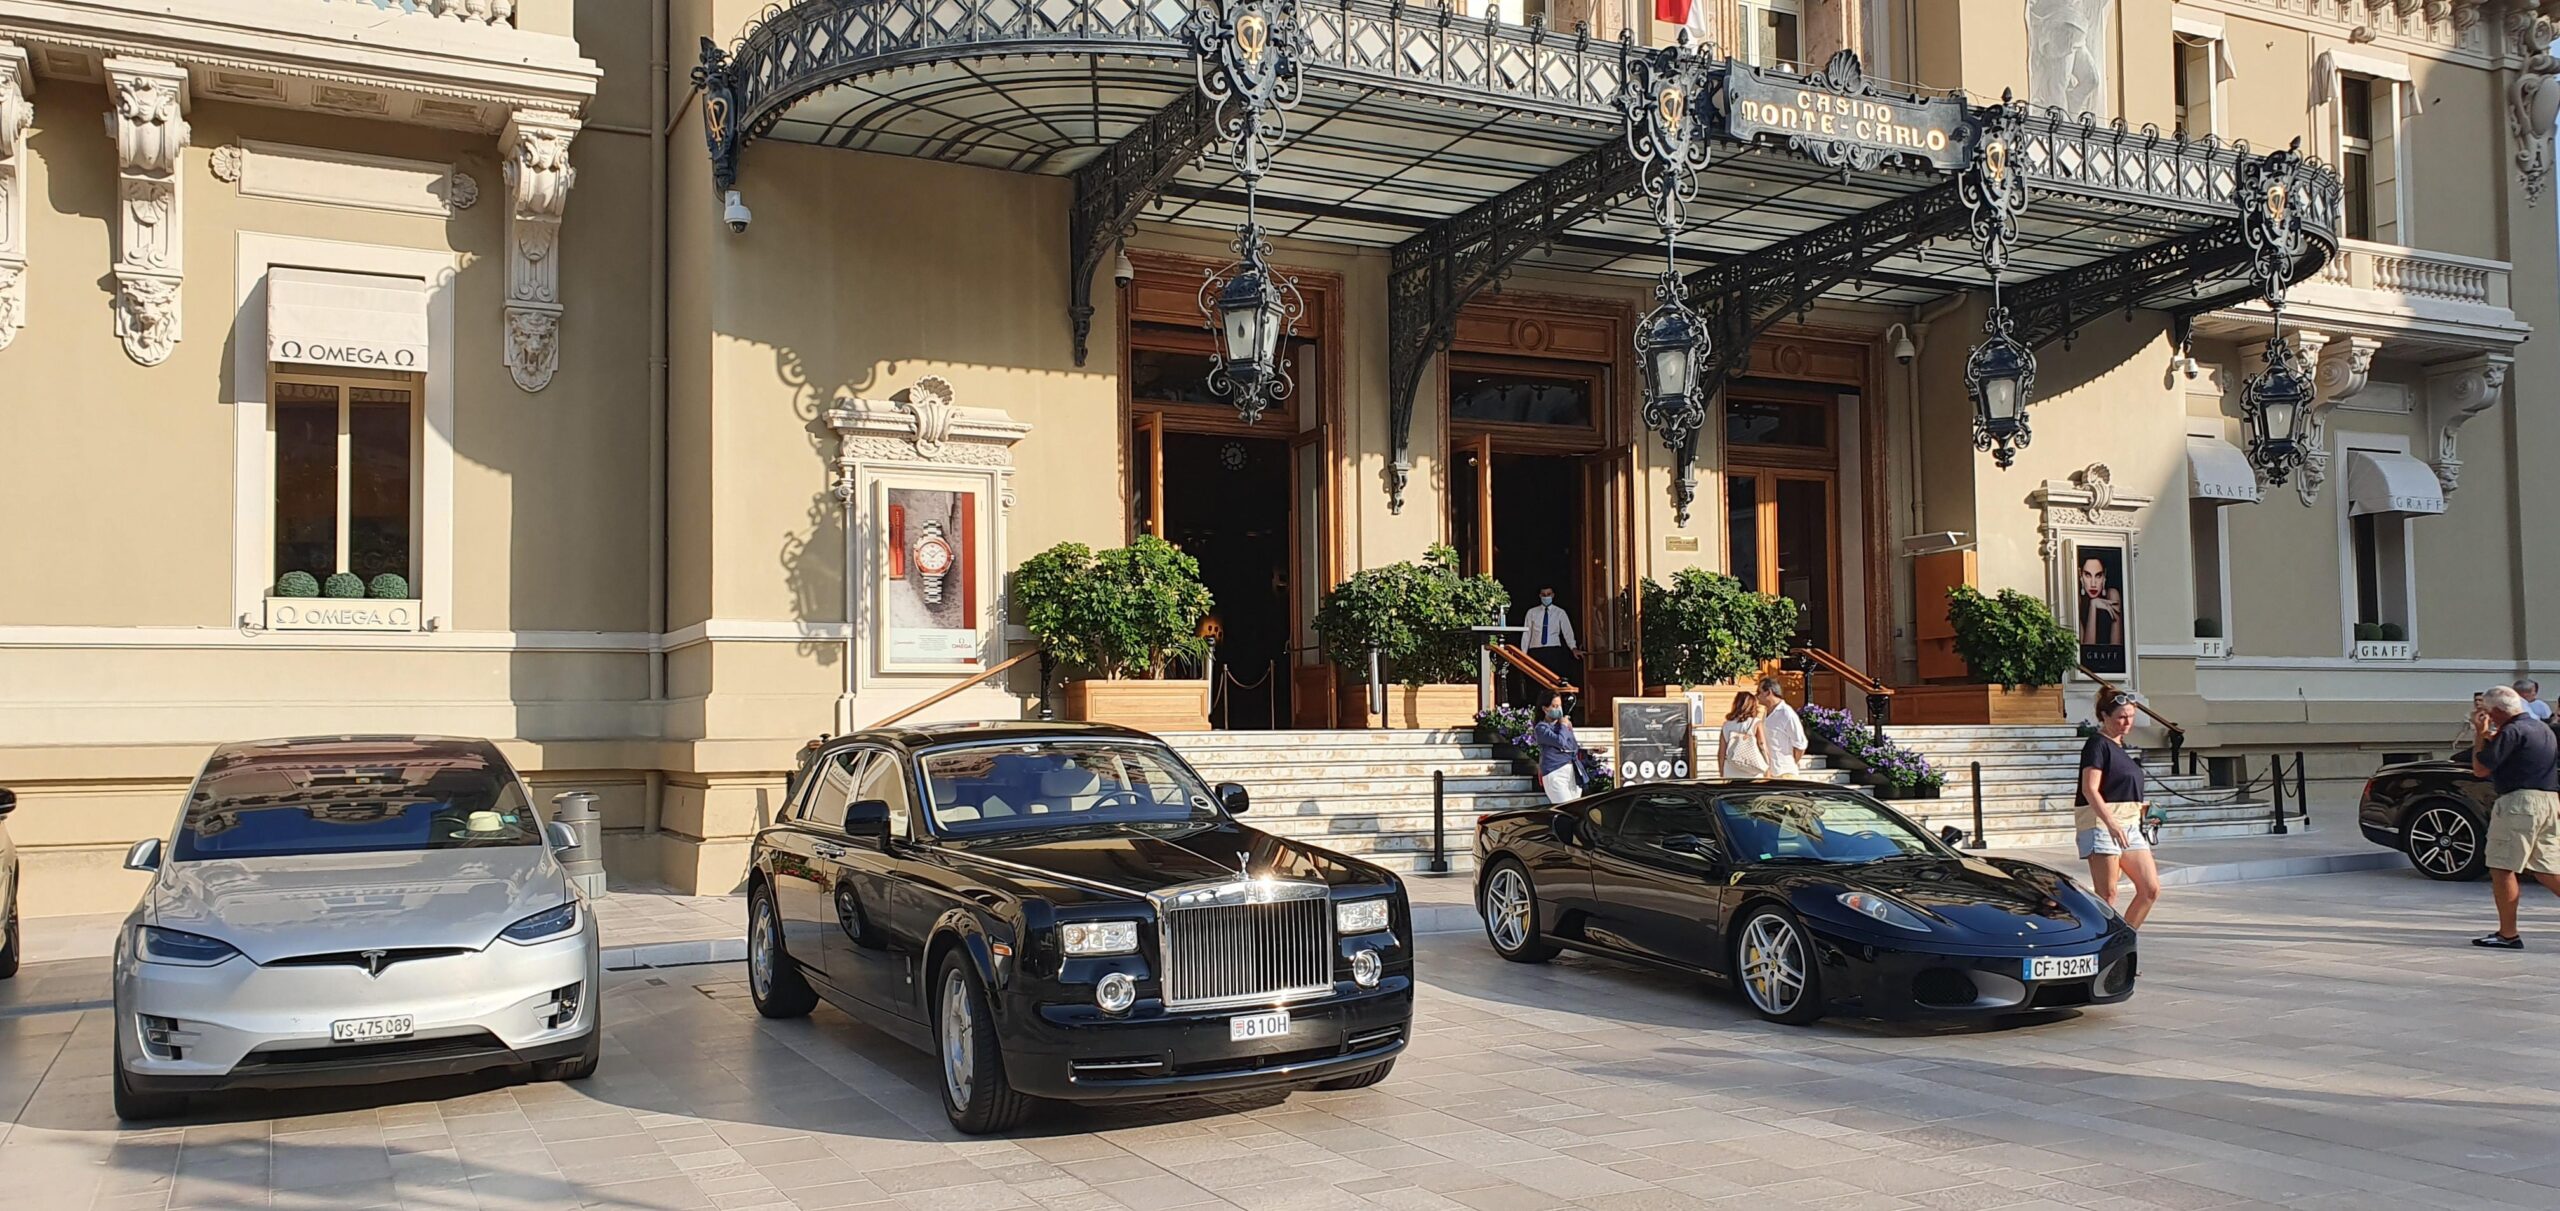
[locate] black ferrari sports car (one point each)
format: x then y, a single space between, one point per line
1809 897
2437 812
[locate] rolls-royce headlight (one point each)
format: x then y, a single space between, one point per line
1116 993
1360 916
1365 968
1086 939
1870 904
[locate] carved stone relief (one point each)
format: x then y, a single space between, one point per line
926 427
17 112
149 126
2456 392
2344 365
2533 98
2066 55
538 176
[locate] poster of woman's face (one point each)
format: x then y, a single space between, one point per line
929 586
2098 600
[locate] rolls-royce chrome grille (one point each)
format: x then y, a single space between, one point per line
1243 943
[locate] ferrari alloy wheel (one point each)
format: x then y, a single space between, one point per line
2444 843
975 1092
780 991
1773 961
1510 910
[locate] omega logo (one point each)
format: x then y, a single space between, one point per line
360 355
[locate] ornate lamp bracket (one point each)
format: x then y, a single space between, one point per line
1993 187
17 112
1665 97
2270 194
720 134
2000 372
2533 98
1250 57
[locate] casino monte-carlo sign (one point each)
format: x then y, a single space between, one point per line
1837 118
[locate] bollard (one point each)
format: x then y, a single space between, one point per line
2302 788
585 864
2275 771
1979 841
1439 863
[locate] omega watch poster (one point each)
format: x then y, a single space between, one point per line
929 595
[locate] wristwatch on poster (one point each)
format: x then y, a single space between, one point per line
933 560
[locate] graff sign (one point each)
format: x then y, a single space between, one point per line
1834 127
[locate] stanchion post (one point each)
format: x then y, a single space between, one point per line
1439 863
1979 841
2275 765
2302 788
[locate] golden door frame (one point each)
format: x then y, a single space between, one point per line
1166 290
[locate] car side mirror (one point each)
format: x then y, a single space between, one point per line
8 802
562 836
1952 835
144 856
868 820
1232 796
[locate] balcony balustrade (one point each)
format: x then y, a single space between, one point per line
470 12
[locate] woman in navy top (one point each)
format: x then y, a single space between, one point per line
1553 734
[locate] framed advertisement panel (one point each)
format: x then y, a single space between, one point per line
931 564
2101 602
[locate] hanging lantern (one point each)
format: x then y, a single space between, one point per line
2000 375
2276 403
1670 346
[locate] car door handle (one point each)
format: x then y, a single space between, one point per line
830 851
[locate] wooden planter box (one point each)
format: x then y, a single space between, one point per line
1978 705
1149 706
1437 707
1720 697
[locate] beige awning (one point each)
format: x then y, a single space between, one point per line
319 318
2218 473
2382 481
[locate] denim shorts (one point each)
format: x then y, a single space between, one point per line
2098 841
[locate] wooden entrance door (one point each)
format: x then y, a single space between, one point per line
1782 503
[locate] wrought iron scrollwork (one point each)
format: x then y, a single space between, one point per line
1666 99
1251 57
2274 406
720 132
1994 186
1116 186
2271 196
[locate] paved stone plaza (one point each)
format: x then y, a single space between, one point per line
2319 1042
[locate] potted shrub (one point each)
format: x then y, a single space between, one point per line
389 586
296 584
343 585
1836 735
2017 653
1505 728
1705 631
1416 617
2208 628
1122 617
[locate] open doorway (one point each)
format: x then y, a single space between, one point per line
1226 504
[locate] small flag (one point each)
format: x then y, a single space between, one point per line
1674 11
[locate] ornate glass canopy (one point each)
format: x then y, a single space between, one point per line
1470 146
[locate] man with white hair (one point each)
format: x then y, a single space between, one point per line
2519 756
2533 703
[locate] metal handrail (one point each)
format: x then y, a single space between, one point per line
1879 695
974 679
1539 674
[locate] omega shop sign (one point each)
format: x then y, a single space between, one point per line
320 318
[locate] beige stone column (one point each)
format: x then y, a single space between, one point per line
17 112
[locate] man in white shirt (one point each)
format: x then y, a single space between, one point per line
1787 741
1547 633
2531 690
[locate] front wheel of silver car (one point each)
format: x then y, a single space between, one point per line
975 1092
133 1105
9 940
774 980
577 1067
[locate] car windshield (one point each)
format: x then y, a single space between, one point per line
987 788
283 802
1820 826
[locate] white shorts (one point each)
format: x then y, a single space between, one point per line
2098 841
1563 784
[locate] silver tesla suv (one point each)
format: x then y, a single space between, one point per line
351 909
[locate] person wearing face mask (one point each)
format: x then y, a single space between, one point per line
1547 632
1559 773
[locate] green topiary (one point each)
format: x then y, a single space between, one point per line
2010 639
1415 615
297 584
390 586
1116 613
2390 632
1706 628
2208 628
2368 632
342 584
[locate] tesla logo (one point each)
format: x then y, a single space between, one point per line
373 961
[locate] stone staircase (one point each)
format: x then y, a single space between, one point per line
2030 776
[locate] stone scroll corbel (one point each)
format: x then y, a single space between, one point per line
2343 366
2533 97
2456 392
149 126
538 176
17 112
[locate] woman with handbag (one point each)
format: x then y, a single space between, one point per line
1742 746
2110 807
1559 770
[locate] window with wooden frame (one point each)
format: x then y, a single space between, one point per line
345 450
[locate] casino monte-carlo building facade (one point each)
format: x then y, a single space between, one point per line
651 385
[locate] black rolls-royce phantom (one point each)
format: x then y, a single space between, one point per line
1065 911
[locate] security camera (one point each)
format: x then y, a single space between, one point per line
734 212
1903 349
1122 272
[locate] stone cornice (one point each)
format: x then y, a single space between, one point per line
286 52
2455 30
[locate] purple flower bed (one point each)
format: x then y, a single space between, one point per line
1887 764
